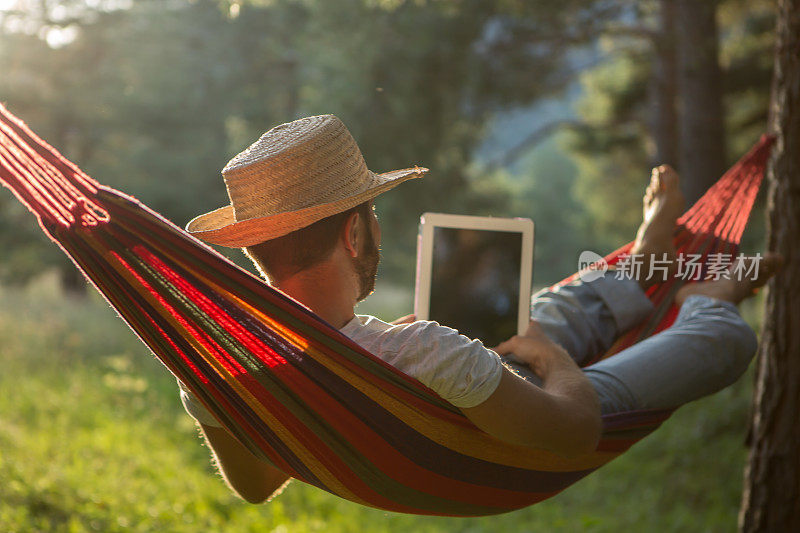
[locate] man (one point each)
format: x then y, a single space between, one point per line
301 207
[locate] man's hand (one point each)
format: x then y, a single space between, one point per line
537 350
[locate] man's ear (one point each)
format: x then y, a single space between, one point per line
351 234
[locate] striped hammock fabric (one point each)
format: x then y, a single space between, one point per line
292 388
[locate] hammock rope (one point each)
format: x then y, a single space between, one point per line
292 388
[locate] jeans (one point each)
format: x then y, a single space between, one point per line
707 348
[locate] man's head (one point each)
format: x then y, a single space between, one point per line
295 175
301 207
355 231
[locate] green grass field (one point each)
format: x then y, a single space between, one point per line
93 438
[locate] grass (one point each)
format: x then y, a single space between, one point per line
93 438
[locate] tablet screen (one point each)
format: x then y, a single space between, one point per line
475 282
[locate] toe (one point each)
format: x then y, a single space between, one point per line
667 169
669 177
657 182
654 177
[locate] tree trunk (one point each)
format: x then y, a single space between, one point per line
771 498
665 89
700 123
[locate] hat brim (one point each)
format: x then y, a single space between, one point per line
220 226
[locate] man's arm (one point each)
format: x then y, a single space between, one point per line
249 477
246 475
563 416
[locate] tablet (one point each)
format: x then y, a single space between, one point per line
474 274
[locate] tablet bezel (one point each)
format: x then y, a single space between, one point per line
428 221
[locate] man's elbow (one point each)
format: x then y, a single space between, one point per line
261 493
254 498
258 495
585 436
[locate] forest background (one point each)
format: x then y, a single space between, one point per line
550 110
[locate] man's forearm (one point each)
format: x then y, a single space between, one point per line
564 380
562 377
252 479
572 424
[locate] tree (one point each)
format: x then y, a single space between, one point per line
665 87
700 112
771 498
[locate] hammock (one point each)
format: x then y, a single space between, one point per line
289 386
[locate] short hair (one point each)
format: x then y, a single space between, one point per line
285 256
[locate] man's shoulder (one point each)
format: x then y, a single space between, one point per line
413 338
367 325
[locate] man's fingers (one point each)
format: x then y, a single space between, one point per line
534 332
506 347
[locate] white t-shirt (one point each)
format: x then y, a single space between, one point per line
460 370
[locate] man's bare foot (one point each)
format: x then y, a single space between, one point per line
663 204
738 287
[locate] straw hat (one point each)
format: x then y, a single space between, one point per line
294 175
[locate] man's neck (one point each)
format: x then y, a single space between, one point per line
325 292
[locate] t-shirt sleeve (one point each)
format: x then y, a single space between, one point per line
462 371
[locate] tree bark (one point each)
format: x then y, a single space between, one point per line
771 497
665 88
700 112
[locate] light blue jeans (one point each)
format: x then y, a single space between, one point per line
707 348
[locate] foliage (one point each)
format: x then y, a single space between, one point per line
154 97
543 188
